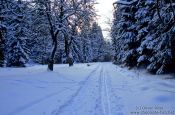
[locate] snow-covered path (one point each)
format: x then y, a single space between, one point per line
99 89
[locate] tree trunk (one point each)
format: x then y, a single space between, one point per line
51 60
69 59
1 50
54 34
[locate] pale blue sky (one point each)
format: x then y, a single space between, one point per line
105 10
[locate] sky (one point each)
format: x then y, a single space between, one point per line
105 12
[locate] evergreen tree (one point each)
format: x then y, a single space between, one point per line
127 33
17 56
163 42
144 15
14 19
97 42
17 52
41 44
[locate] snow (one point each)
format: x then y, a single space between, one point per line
125 2
141 58
98 89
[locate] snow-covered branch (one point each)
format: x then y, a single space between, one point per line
125 2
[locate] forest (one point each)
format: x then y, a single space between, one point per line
50 31
143 34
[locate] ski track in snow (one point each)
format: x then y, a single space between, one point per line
100 96
116 102
102 89
105 95
76 96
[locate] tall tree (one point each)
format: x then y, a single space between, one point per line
41 41
127 32
97 42
14 19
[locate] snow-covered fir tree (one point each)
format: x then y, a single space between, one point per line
97 42
41 44
126 33
15 37
144 15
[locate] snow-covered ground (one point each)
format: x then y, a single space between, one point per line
99 89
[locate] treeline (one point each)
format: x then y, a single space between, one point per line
143 34
49 31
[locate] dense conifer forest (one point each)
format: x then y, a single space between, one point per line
143 34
